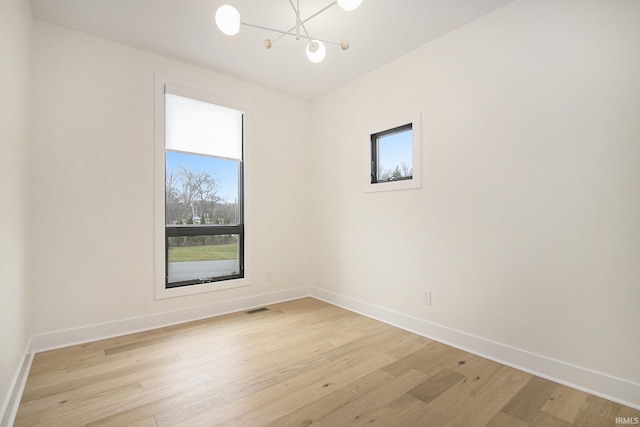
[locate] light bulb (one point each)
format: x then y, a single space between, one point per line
349 5
316 51
228 20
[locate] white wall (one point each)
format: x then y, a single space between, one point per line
527 225
15 57
92 178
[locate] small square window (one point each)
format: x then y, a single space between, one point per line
392 155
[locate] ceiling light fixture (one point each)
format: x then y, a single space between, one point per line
349 4
228 21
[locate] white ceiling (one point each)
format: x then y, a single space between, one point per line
378 31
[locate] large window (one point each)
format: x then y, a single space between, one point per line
203 227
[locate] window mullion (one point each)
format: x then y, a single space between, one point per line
202 230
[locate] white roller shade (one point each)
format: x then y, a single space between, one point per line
200 127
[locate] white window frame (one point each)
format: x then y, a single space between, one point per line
416 128
182 88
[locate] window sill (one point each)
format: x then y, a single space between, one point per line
407 184
162 292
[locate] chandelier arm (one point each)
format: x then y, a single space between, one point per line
288 33
281 35
304 21
298 20
297 11
319 12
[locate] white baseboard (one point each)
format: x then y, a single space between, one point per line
12 401
84 334
615 389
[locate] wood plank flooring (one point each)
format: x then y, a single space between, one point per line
301 363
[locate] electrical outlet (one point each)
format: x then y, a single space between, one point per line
268 276
426 297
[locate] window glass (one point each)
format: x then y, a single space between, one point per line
202 258
201 190
392 155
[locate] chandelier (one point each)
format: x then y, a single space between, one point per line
228 21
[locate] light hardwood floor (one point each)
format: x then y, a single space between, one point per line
300 363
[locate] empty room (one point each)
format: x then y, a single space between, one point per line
317 212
